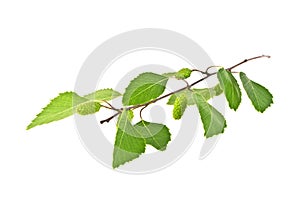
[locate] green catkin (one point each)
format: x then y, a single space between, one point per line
180 105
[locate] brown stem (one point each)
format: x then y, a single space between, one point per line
104 106
142 111
246 60
197 70
110 118
111 107
206 71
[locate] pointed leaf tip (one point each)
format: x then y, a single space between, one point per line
59 108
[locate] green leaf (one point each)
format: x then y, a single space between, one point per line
127 147
124 123
183 73
207 93
231 88
145 87
156 135
180 105
260 96
103 95
213 121
88 107
59 108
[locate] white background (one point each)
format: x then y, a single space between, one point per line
42 47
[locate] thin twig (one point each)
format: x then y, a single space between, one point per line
111 106
198 70
142 111
110 118
246 60
187 84
106 107
206 71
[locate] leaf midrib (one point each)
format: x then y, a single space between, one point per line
152 85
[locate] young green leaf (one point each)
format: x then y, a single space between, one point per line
180 105
260 96
59 108
213 121
88 108
129 144
156 135
207 93
145 87
103 95
183 73
231 88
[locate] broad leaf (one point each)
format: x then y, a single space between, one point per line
128 143
207 93
231 88
67 103
103 95
180 105
144 88
59 108
213 121
260 97
156 135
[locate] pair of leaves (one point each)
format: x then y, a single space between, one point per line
260 97
68 103
142 89
131 140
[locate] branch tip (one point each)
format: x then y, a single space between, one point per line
110 118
